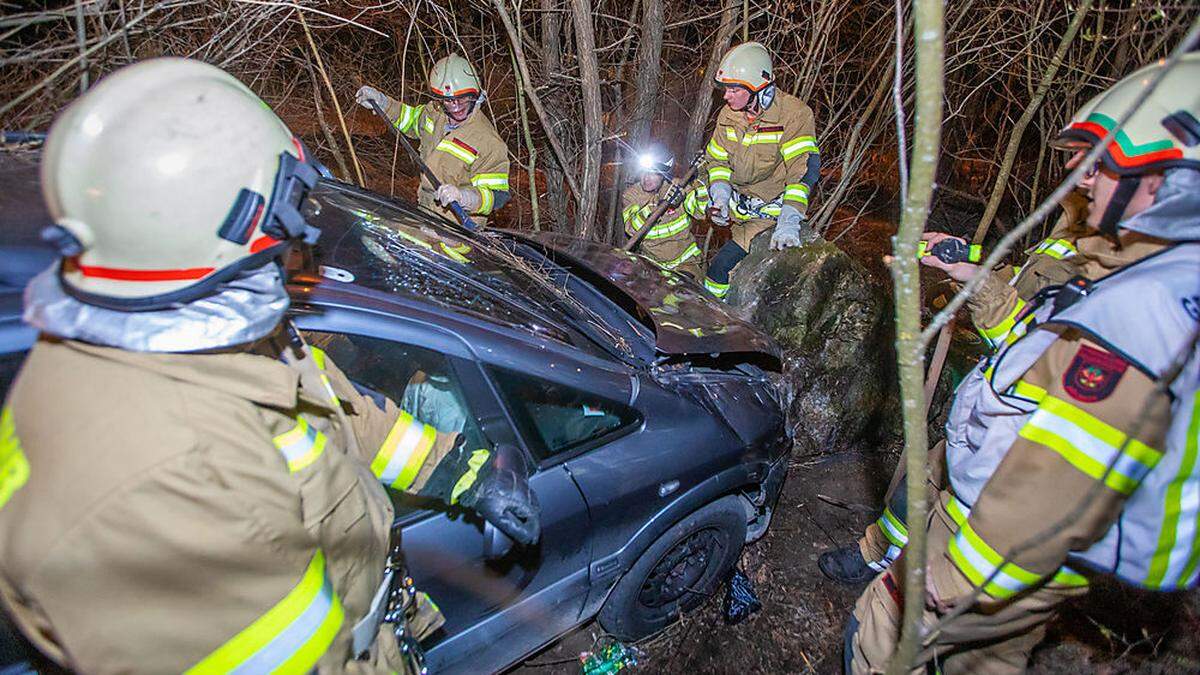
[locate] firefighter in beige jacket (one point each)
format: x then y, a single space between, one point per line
763 161
184 484
1073 448
457 141
670 242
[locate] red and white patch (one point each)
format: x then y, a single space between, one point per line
1093 374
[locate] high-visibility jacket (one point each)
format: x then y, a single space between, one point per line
470 156
1038 435
766 158
204 512
670 242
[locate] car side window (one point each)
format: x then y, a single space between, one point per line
556 419
418 380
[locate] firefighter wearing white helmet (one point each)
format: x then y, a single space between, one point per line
763 161
226 510
670 242
1071 453
457 141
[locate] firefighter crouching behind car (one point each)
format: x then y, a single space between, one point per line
457 141
763 161
670 242
186 485
1044 478
994 309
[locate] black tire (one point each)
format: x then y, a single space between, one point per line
679 570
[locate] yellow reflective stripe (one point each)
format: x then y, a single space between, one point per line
997 332
959 512
1173 509
448 146
762 138
491 181
320 359
716 151
403 452
695 202
465 481
716 173
688 253
486 201
798 146
715 287
796 192
428 124
456 252
893 528
301 445
291 637
978 561
664 230
408 117
731 134
14 466
1056 248
1028 391
1065 576
1090 444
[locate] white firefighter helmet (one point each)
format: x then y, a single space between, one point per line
1163 133
453 76
166 178
746 65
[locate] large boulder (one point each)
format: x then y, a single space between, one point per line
834 325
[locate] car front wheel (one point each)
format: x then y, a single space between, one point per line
679 570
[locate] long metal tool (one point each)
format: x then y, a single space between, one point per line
674 197
455 207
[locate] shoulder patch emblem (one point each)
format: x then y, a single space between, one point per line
1093 374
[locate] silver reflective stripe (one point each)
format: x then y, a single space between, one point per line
294 637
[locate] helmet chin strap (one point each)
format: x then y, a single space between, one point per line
1117 205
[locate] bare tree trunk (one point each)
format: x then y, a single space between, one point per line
930 57
531 91
593 125
530 148
699 121
649 56
551 49
1018 132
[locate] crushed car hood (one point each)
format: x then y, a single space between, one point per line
686 319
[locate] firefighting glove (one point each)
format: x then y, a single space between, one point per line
469 198
719 194
787 228
367 94
502 496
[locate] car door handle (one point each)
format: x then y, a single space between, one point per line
667 487
496 544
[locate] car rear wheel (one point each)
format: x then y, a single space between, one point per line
679 570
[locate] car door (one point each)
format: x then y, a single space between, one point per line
498 604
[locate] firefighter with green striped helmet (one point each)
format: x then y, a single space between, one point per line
457 141
763 161
185 483
670 242
1071 452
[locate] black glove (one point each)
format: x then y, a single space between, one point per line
502 496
